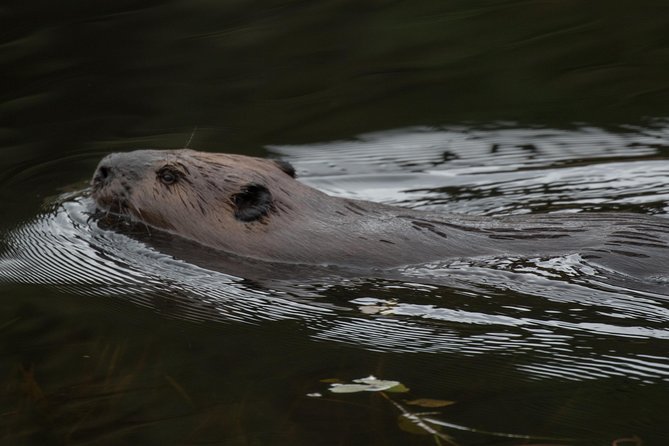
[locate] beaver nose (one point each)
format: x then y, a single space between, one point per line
102 175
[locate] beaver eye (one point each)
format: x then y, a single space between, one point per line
168 176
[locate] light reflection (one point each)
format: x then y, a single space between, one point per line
560 317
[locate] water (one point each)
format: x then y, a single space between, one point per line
487 108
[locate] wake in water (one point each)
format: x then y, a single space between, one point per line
557 316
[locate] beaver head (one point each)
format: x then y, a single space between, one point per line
255 207
196 194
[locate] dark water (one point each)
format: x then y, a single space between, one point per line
479 107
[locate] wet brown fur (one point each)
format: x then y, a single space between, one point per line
301 224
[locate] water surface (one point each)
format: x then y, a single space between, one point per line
487 107
468 330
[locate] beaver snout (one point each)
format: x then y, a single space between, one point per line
110 167
110 185
104 172
101 177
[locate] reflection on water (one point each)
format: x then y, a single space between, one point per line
288 70
545 320
495 171
111 338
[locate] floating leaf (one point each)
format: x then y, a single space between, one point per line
409 425
369 384
376 306
429 402
399 388
373 380
371 309
415 425
349 388
330 380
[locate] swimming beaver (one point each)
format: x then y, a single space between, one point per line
255 208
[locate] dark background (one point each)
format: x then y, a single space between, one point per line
79 79
247 73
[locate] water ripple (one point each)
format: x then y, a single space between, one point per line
494 171
558 317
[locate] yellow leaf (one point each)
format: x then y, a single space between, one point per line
429 402
400 388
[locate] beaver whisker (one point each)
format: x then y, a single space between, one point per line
141 218
107 215
119 206
97 214
187 146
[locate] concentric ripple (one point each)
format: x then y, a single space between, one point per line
62 248
557 317
495 171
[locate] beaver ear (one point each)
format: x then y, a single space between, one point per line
252 203
286 167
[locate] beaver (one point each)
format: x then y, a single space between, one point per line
256 208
